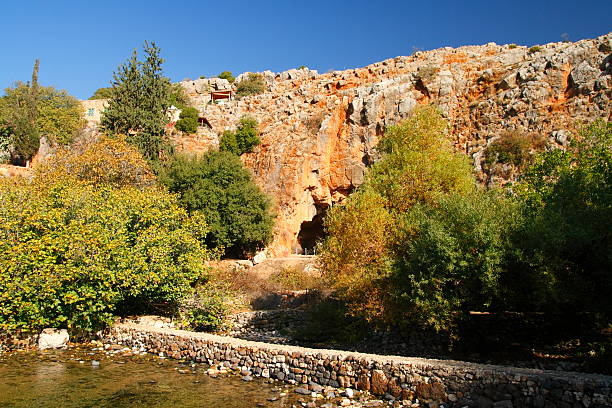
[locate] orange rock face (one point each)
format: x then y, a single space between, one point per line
319 132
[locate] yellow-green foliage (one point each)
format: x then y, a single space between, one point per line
60 116
110 161
418 166
73 251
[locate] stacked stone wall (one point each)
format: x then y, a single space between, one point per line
457 384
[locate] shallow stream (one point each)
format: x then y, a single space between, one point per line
85 378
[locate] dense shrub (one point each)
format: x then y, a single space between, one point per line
254 84
567 237
218 185
88 237
188 120
208 308
451 258
72 254
108 161
418 167
227 75
513 148
244 139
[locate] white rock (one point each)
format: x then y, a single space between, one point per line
259 257
53 339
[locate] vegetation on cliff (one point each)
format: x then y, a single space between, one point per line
217 184
90 238
243 139
253 84
188 120
29 112
139 102
420 243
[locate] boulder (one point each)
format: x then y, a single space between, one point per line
53 339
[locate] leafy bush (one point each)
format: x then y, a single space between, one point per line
513 148
512 46
244 139
102 93
108 161
254 84
418 167
567 236
73 254
535 48
218 185
227 75
207 309
229 143
451 257
188 121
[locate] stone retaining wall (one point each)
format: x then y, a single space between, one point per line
271 326
457 384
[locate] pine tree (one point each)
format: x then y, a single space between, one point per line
23 121
139 102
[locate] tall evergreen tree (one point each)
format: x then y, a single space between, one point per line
139 102
23 120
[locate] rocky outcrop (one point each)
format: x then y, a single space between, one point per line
319 131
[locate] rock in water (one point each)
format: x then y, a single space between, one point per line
53 339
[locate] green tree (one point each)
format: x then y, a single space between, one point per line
418 167
78 246
218 185
227 75
451 258
566 241
188 121
139 103
102 93
253 84
60 115
228 143
20 115
178 97
244 139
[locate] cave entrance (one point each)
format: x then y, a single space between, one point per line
311 232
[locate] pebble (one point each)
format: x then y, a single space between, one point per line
247 378
95 363
349 393
302 391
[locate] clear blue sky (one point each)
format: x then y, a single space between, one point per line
81 43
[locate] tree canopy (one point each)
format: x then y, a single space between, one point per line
139 102
92 238
218 185
244 139
102 93
29 111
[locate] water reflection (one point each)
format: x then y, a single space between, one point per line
33 380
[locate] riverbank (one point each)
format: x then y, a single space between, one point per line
413 380
108 375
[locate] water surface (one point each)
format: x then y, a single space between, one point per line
67 379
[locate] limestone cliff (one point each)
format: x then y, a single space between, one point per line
319 131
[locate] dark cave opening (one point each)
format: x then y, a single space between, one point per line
311 232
